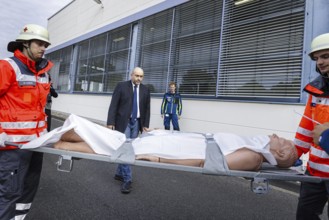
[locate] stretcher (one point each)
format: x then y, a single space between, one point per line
259 180
113 147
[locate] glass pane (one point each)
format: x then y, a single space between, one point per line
155 50
91 65
268 62
196 81
116 64
82 67
117 61
196 52
81 84
83 49
98 45
96 65
120 38
96 83
61 69
111 80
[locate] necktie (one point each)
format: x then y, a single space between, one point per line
134 111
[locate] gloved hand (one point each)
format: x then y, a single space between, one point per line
324 141
298 163
318 130
3 138
321 136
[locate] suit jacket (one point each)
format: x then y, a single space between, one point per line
121 106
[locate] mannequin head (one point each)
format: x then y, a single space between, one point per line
283 150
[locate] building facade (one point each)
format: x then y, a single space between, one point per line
240 65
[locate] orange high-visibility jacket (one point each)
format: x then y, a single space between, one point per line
317 108
23 94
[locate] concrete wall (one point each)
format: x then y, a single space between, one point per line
81 17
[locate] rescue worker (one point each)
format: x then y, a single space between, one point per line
314 196
24 86
171 107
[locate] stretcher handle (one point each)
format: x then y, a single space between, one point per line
8 143
259 185
60 162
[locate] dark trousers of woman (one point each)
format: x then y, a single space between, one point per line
48 113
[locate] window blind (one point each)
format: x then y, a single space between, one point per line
262 46
117 58
154 50
196 49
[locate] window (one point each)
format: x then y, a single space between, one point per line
210 48
117 57
182 45
81 83
155 41
91 65
61 69
103 61
262 47
196 51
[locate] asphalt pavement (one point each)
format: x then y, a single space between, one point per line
90 192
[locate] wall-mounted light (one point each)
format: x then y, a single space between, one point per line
240 2
99 2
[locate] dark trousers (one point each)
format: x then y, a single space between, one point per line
312 199
19 180
131 131
48 113
173 118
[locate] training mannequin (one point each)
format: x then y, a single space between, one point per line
281 152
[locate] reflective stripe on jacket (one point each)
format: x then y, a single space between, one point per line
23 94
317 108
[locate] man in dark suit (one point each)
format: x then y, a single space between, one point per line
129 113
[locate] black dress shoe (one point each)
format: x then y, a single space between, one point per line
118 177
126 187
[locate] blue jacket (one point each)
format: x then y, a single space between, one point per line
171 104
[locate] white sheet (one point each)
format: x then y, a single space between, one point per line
171 145
166 144
101 139
231 142
178 145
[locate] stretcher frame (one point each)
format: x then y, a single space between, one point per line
259 179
